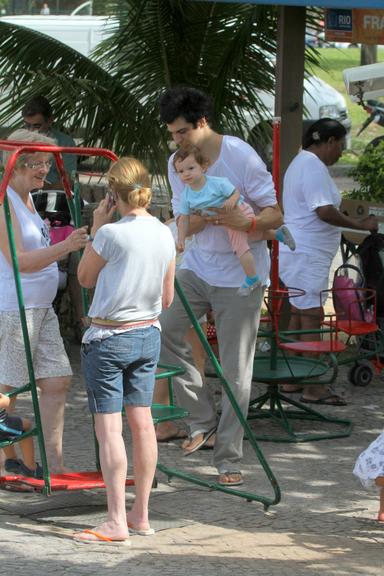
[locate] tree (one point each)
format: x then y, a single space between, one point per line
225 49
368 54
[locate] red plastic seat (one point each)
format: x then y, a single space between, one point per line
69 481
314 346
355 327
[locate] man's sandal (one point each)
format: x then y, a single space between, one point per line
230 479
196 442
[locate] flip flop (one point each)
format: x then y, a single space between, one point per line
230 479
100 539
198 441
140 531
210 444
329 400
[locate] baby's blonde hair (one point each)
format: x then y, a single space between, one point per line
29 137
129 178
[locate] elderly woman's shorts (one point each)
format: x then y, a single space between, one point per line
120 370
307 272
49 357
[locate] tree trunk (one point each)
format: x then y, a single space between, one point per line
368 54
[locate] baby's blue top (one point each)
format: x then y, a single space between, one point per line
212 195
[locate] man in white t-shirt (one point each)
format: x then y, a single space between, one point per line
210 275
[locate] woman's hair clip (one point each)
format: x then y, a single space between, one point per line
315 136
137 186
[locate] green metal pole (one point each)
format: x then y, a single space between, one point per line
247 429
78 221
27 346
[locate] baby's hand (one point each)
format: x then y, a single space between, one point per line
229 204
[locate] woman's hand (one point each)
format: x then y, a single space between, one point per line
77 239
103 214
370 223
234 219
180 247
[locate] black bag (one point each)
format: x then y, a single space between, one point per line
371 252
52 204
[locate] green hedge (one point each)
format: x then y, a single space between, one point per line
369 173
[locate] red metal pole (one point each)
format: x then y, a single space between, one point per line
276 180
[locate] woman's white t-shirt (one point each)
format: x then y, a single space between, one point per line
39 288
138 251
307 186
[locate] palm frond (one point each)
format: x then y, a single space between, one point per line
84 96
225 49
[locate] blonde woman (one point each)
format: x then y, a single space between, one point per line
132 263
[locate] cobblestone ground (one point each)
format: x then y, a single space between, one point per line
325 523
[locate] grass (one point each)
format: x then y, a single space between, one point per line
333 62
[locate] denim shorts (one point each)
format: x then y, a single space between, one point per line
120 370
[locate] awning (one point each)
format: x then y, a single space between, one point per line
311 3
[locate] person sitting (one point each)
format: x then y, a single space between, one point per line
11 427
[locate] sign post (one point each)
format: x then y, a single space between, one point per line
355 26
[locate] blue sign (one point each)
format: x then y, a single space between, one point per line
339 20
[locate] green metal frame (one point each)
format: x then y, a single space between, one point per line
31 387
163 413
174 472
302 370
160 413
16 148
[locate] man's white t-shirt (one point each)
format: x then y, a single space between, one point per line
138 251
307 186
211 256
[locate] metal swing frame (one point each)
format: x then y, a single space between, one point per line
159 413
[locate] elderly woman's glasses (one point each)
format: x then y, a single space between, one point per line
38 165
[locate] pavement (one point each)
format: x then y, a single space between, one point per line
324 524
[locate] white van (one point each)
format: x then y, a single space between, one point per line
320 100
82 33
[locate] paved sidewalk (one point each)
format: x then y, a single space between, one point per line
325 523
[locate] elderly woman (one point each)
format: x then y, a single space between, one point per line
39 281
132 263
311 203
